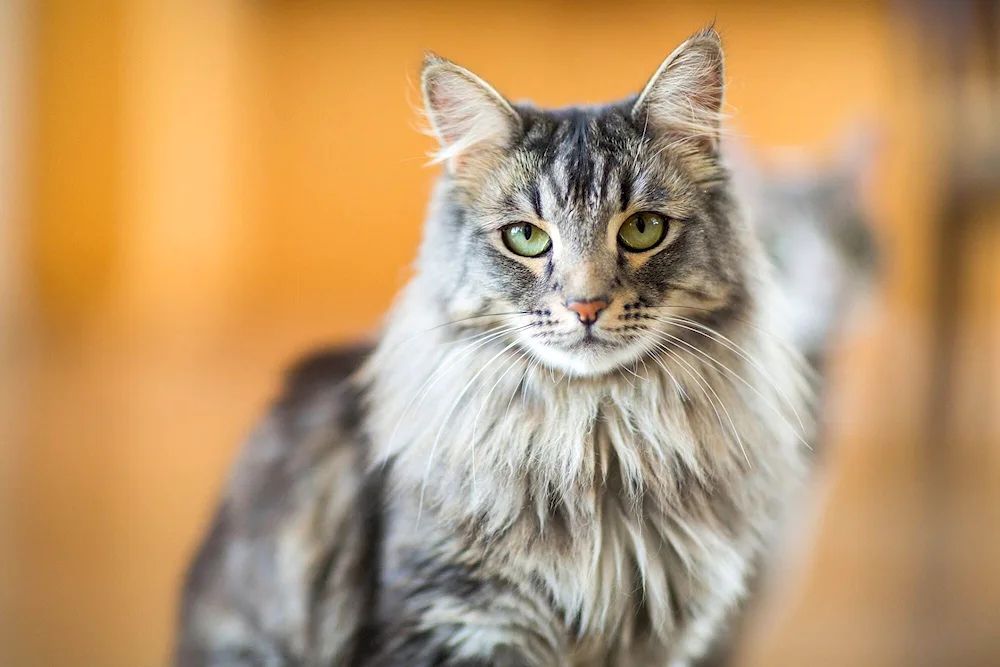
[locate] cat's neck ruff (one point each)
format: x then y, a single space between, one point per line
479 427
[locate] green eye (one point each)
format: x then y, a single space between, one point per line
523 238
642 231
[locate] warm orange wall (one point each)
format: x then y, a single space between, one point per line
269 149
77 181
218 184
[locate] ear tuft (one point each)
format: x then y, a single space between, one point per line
471 120
684 97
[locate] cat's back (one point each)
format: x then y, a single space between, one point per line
283 566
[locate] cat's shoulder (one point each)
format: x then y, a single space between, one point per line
316 422
321 371
297 498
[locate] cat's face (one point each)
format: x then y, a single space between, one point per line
591 227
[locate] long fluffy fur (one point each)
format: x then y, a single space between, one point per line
529 458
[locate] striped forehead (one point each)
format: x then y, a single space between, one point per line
581 179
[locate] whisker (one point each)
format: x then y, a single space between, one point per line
524 393
447 418
520 381
632 371
453 322
680 389
561 378
732 424
475 422
739 377
788 346
435 377
630 383
722 339
645 368
480 340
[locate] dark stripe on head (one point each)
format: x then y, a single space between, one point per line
625 180
536 199
579 160
553 182
608 168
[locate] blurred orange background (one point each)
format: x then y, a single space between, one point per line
193 193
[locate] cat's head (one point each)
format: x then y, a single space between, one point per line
591 226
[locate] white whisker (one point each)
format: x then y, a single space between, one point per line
788 347
447 418
739 377
709 332
475 423
432 379
732 424
452 322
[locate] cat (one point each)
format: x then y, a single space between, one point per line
575 437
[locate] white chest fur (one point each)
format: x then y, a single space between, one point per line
639 502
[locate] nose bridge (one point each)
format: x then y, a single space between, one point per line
586 279
588 276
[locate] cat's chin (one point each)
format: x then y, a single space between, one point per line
588 360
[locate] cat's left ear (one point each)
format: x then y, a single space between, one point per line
684 97
472 121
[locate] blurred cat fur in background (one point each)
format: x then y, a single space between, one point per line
815 225
811 215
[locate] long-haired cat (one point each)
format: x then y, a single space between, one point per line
578 431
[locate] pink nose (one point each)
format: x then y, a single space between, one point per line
587 311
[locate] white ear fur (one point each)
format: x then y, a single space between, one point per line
467 115
685 95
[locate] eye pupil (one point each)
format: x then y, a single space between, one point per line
526 230
640 224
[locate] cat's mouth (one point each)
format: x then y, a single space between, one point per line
591 340
589 352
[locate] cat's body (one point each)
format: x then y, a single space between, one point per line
571 446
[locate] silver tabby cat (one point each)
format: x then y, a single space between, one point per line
576 436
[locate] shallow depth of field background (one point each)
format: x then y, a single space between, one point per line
193 193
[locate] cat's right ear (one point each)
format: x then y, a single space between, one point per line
472 121
683 100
